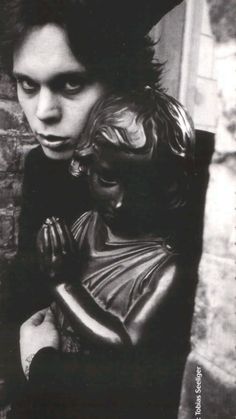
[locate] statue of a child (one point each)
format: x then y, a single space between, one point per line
116 277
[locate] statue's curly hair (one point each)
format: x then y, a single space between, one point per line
149 123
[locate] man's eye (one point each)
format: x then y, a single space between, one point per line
72 87
27 85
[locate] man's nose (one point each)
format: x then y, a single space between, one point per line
48 109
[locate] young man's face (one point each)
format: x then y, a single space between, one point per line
54 89
123 186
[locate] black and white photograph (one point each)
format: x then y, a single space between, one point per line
117 209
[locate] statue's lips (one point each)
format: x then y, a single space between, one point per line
53 141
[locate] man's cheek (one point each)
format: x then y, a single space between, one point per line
28 114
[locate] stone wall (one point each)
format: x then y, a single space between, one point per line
203 78
169 44
15 141
213 394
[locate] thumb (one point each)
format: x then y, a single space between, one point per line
37 318
49 316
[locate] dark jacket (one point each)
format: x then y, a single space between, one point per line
48 189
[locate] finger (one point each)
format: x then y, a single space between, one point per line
61 235
56 248
37 318
47 246
70 239
40 240
46 258
66 237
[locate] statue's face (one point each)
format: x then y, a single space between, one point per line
54 89
123 186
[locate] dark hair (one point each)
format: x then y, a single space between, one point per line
115 54
150 123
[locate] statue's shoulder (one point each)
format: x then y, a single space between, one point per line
80 225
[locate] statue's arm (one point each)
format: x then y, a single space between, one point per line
58 256
95 323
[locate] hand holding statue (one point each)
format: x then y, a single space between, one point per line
36 333
56 248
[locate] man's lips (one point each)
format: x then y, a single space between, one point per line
53 141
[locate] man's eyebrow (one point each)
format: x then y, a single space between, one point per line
83 75
20 76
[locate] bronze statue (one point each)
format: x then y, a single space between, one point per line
115 276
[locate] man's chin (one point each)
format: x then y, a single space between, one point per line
58 154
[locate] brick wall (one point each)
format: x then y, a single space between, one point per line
15 141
